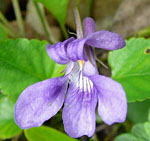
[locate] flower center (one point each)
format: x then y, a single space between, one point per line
81 64
76 76
84 83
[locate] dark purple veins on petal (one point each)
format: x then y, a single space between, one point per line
79 111
39 102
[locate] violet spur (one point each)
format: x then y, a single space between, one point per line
79 90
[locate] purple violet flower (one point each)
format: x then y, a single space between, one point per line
80 90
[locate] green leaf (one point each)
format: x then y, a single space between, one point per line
149 115
22 63
57 7
144 32
44 133
138 131
3 33
126 137
141 114
8 128
147 128
131 67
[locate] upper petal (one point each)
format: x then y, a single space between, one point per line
58 51
112 103
105 40
79 111
77 49
39 102
89 26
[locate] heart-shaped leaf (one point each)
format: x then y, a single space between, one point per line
131 67
22 63
44 133
8 128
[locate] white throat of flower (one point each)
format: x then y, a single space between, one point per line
83 83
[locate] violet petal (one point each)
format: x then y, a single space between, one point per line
39 102
58 53
75 50
100 39
112 103
89 26
105 40
90 67
79 112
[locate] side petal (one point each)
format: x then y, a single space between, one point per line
89 26
79 112
58 51
39 102
75 50
105 40
112 103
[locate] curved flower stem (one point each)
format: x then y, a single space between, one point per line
4 20
18 16
62 26
5 24
9 31
101 127
113 131
99 61
94 138
44 24
89 7
77 3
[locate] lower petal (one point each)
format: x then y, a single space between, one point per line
79 112
39 102
112 103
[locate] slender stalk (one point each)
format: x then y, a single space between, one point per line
51 37
89 7
62 26
45 25
113 131
101 127
19 17
6 23
11 33
99 61
77 3
4 20
78 24
94 138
